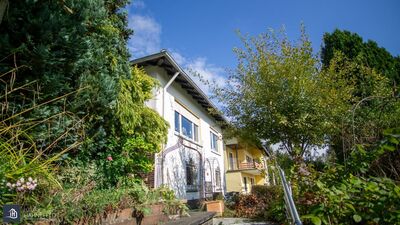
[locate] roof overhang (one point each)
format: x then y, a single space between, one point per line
164 60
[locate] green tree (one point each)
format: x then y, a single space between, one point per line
79 48
278 93
366 53
373 73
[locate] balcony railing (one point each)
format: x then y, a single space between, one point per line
246 166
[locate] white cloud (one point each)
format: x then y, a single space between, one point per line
147 36
138 4
209 73
147 40
180 59
201 71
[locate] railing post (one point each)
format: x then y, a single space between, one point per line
289 199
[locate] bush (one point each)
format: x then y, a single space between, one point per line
250 206
348 194
272 196
264 202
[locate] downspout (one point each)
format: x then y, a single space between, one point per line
163 115
165 91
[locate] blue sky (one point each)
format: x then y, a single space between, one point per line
201 33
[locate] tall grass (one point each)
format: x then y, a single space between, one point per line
22 154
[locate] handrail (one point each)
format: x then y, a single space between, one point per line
289 203
291 207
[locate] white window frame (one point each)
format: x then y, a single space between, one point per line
195 135
214 147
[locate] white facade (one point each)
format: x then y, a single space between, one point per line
191 163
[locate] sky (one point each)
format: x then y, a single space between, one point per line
201 34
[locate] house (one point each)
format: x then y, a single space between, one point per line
192 161
245 166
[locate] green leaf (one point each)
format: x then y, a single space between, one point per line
314 219
357 218
350 206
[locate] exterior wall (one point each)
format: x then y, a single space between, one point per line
170 168
234 182
235 174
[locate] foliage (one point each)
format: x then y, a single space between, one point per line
366 53
279 94
374 108
84 202
77 50
349 194
27 168
374 74
249 206
175 207
272 197
263 202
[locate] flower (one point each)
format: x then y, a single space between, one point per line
109 158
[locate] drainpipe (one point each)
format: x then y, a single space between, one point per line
163 115
165 91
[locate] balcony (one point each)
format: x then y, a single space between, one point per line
233 165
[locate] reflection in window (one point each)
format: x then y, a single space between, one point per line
187 127
191 176
218 177
214 141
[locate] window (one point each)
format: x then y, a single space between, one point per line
231 161
252 181
191 176
245 184
177 122
214 141
218 177
186 127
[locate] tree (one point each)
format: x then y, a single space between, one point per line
366 53
278 93
374 73
78 49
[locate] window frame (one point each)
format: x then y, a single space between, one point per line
195 132
214 146
177 117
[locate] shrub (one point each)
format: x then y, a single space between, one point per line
249 206
349 194
272 197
